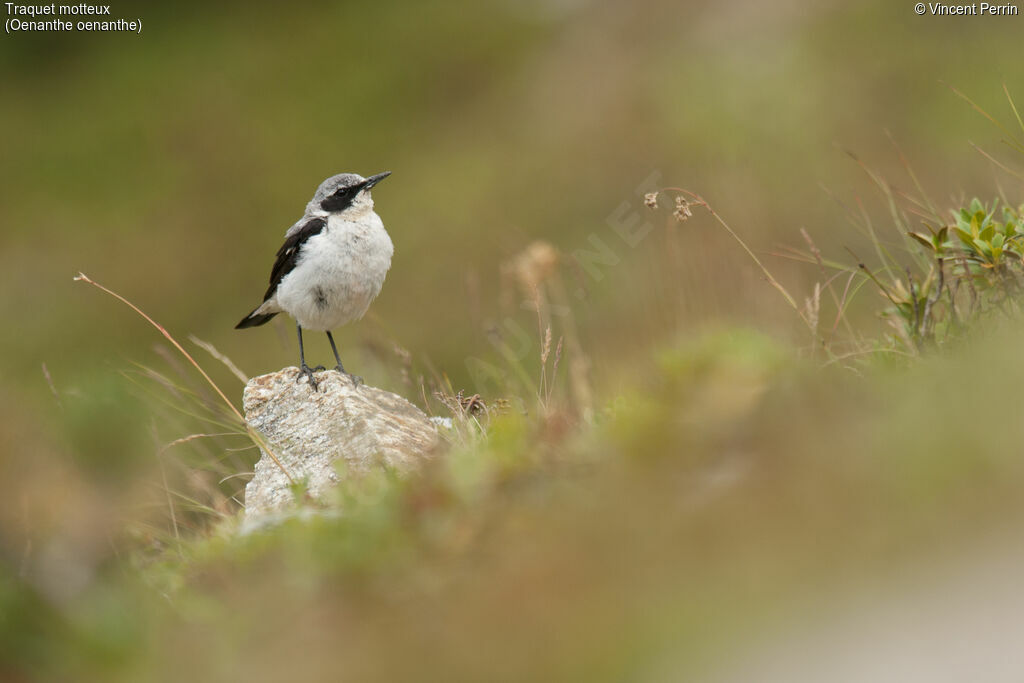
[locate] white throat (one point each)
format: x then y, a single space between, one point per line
358 209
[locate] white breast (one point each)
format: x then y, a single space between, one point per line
340 271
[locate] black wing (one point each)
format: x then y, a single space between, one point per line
288 254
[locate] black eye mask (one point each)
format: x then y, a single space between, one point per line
341 200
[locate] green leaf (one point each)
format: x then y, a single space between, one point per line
926 241
986 220
983 248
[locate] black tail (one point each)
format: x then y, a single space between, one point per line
253 320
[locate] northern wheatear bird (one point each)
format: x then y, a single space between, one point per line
331 266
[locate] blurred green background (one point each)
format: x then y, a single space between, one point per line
168 165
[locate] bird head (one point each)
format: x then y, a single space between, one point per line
346 193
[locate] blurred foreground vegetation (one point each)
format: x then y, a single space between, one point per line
732 492
675 457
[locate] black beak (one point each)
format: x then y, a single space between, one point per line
374 179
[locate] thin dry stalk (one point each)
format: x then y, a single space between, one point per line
1011 140
82 277
929 327
53 388
699 201
842 308
545 351
836 299
813 307
213 351
170 501
579 363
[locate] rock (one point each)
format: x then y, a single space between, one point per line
310 431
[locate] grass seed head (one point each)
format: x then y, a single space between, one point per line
683 211
535 264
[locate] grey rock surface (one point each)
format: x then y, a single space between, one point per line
310 431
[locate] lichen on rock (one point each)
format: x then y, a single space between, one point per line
309 432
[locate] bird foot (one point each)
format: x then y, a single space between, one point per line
307 372
356 379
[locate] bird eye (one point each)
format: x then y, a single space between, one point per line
337 201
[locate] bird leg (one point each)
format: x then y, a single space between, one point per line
356 379
305 370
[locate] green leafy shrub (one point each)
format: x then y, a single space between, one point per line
976 268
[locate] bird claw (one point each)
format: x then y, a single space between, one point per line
307 372
356 379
